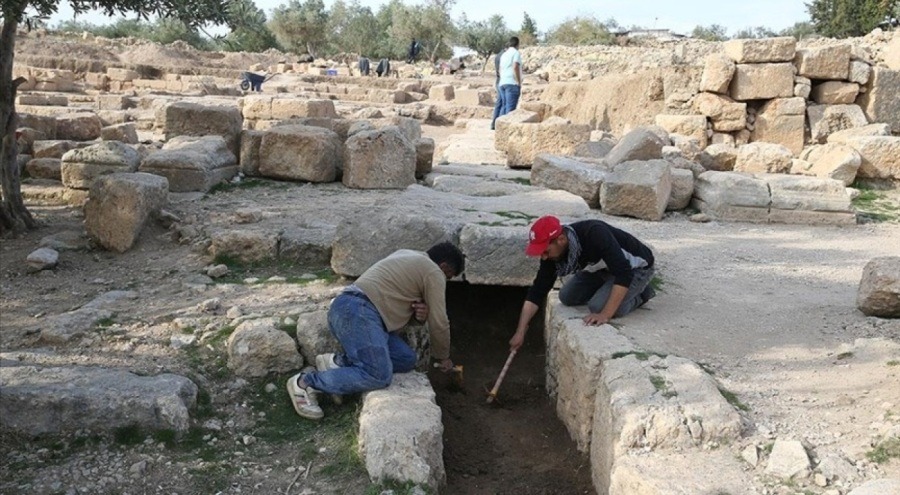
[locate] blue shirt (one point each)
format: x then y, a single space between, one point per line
507 66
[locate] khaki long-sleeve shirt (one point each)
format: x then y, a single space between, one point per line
402 278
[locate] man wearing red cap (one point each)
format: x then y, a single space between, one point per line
616 289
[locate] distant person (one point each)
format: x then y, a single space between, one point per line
498 105
366 318
364 66
620 287
511 76
384 68
414 48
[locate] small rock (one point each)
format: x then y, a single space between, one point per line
181 340
213 424
290 321
209 305
276 278
788 460
138 468
309 276
42 259
249 215
271 387
751 455
249 439
217 271
234 312
819 479
251 280
701 218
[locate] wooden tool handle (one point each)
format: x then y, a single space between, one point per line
494 390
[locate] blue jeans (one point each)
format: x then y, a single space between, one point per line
594 288
510 94
371 354
498 107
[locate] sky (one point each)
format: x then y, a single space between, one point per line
679 16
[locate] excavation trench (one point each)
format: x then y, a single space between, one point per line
517 445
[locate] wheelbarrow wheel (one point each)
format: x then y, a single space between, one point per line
245 85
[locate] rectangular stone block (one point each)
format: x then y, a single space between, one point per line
577 176
494 255
762 81
829 62
474 98
881 102
755 51
638 189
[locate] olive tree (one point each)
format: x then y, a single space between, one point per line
14 216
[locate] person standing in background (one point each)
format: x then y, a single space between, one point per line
510 84
498 105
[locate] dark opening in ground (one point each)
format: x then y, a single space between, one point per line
516 446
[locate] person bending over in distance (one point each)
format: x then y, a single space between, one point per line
617 288
365 319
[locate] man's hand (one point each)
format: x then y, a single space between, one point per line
516 341
445 365
420 308
595 319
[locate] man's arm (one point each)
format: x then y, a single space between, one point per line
529 309
517 69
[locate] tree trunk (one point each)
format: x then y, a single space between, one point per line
13 214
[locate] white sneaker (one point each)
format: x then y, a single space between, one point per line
304 399
325 362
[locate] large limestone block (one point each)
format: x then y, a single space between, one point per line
192 163
755 51
891 53
298 152
832 161
880 101
860 72
725 114
441 92
782 121
719 157
256 107
78 126
829 62
879 288
641 143
56 148
401 434
474 97
717 72
249 157
692 126
763 157
578 176
379 159
81 167
793 192
732 196
288 108
41 400
866 130
124 133
880 155
503 123
183 118
123 75
120 205
637 189
244 245
656 403
306 246
825 120
496 255
682 189
44 168
363 240
555 136
314 335
257 348
762 81
835 93
46 125
655 474
574 357
424 156
410 128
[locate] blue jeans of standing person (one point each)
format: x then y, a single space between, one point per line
371 354
498 107
510 94
594 288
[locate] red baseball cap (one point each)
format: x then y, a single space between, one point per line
544 230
